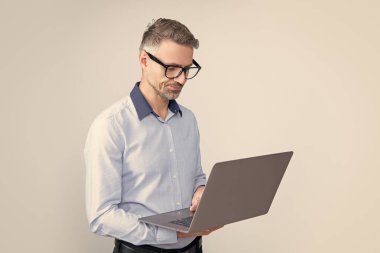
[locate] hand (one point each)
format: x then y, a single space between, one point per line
194 234
196 198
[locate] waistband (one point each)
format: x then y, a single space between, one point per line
127 247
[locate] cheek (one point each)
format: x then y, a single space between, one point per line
158 75
153 72
154 76
163 81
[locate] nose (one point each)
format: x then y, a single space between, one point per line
181 78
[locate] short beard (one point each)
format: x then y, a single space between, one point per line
165 94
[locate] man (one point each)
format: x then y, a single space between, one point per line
142 154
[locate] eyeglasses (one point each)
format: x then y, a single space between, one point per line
174 71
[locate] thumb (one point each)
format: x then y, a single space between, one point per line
193 207
194 204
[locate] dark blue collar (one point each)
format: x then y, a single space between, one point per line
142 106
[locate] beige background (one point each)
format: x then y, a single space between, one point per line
277 76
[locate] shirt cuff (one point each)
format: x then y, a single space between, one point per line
197 185
165 235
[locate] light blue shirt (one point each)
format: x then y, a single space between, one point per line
138 164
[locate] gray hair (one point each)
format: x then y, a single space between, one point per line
162 29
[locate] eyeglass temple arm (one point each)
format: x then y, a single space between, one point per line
196 64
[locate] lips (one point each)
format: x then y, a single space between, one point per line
175 87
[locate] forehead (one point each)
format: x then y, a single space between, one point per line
171 52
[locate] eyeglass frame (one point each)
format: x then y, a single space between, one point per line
184 69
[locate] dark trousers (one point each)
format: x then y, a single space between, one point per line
126 247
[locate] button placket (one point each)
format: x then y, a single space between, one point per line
174 170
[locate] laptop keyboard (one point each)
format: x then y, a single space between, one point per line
183 222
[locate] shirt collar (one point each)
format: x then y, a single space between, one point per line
142 106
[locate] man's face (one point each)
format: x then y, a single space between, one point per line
170 53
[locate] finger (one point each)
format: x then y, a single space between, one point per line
192 207
194 204
213 229
207 232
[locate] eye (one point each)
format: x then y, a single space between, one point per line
172 69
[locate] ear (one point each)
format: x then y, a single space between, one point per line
143 59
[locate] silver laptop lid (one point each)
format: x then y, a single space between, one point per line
240 189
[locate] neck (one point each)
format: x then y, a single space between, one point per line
158 103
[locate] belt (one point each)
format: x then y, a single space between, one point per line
126 247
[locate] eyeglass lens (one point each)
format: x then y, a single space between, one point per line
173 72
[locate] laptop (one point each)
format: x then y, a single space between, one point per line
236 190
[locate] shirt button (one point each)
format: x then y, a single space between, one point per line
174 176
171 150
178 203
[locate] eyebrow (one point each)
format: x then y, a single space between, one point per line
177 65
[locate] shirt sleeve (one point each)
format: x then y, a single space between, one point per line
200 176
103 153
